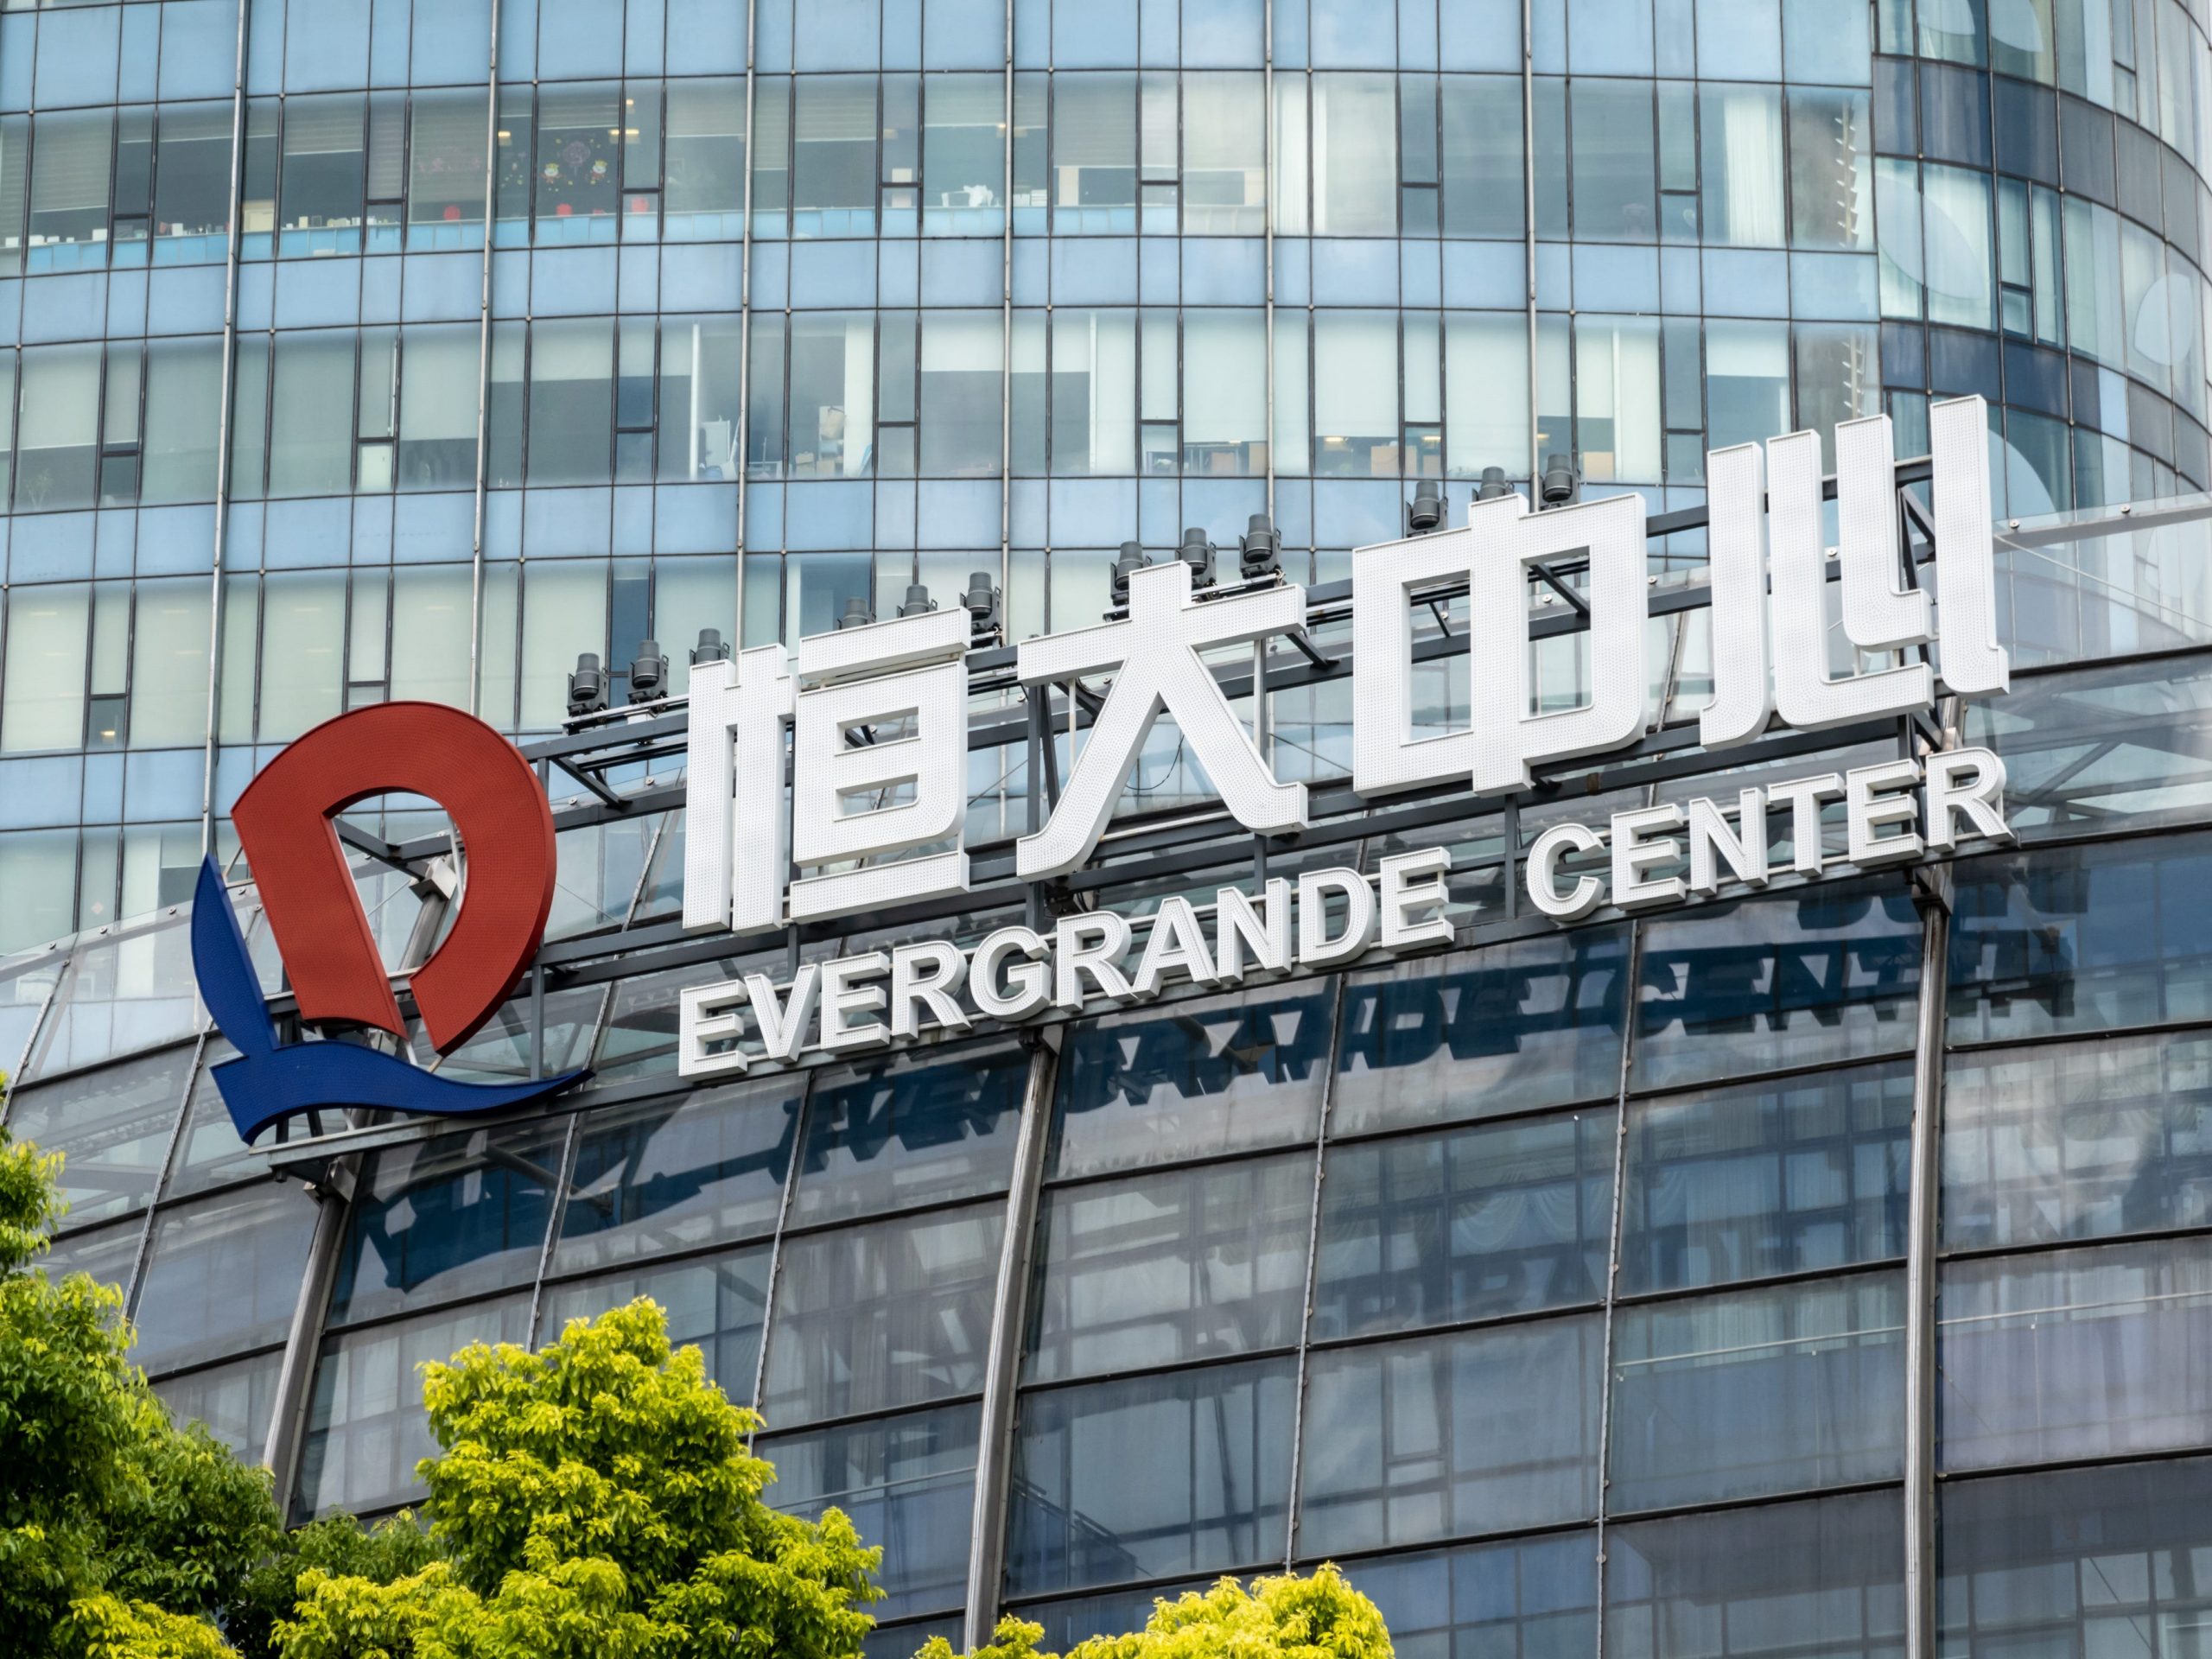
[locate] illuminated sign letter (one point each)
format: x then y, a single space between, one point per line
733 862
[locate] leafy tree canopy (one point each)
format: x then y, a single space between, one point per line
595 1498
120 1534
1320 1617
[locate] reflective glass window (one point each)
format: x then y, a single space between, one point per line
2076 1561
833 394
833 155
579 147
1761 984
2118 744
234 1401
716 1304
311 413
2082 939
70 179
963 155
223 1276
894 1313
2084 1353
1070 1619
571 399
2077 1140
119 995
1614 148
906 1483
1761 1178
1531 1598
900 1134
107 1255
113 1128
664 1175
366 1429
1150 1476
1165 1267
1471 1223
1094 153
1741 126
209 1153
320 201
703 198
1534 1023
437 405
1481 1431
1757 1392
1479 159
1355 155
1225 154
451 1216
699 399
445 186
1218 1074
959 393
183 406
1831 169
57 450
1822 1577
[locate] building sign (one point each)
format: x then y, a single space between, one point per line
876 819
286 823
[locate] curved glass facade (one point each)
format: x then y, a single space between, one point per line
1566 1288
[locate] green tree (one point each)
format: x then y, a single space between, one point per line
120 1537
595 1498
1320 1617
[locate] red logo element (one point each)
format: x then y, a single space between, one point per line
285 823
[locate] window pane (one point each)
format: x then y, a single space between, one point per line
43 704
1167 1268
833 393
169 673
123 994
1355 155
2082 939
1535 1023
311 415
1759 1391
210 1152
1741 129
1534 1598
704 196
1480 115
1614 197
716 1304
1822 1577
1746 382
1356 393
1763 1178
572 400
1225 154
303 645
1831 170
2077 1140
2076 1561
908 1485
1469 1224
960 375
1765 983
1094 153
69 190
1486 1431
234 1401
1094 392
324 172
894 1313
443 1218
437 406
184 388
578 152
564 614
445 188
668 1173
58 430
1224 393
833 155
900 1134
223 1276
1617 422
1220 1074
964 154
1090 1505
699 400
192 180
366 1429
111 1126
2092 1353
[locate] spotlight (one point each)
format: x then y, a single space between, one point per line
1493 486
1426 511
982 603
648 673
1131 557
857 614
1560 485
918 602
586 686
1197 552
710 648
1260 553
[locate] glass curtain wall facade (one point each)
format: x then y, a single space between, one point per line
1559 1287
358 349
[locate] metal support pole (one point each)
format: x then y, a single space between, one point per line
1006 340
295 1374
1613 1252
226 397
1528 223
741 456
1268 170
1009 1319
484 365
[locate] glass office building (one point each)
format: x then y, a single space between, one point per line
1806 1274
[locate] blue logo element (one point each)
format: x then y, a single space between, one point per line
270 1080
